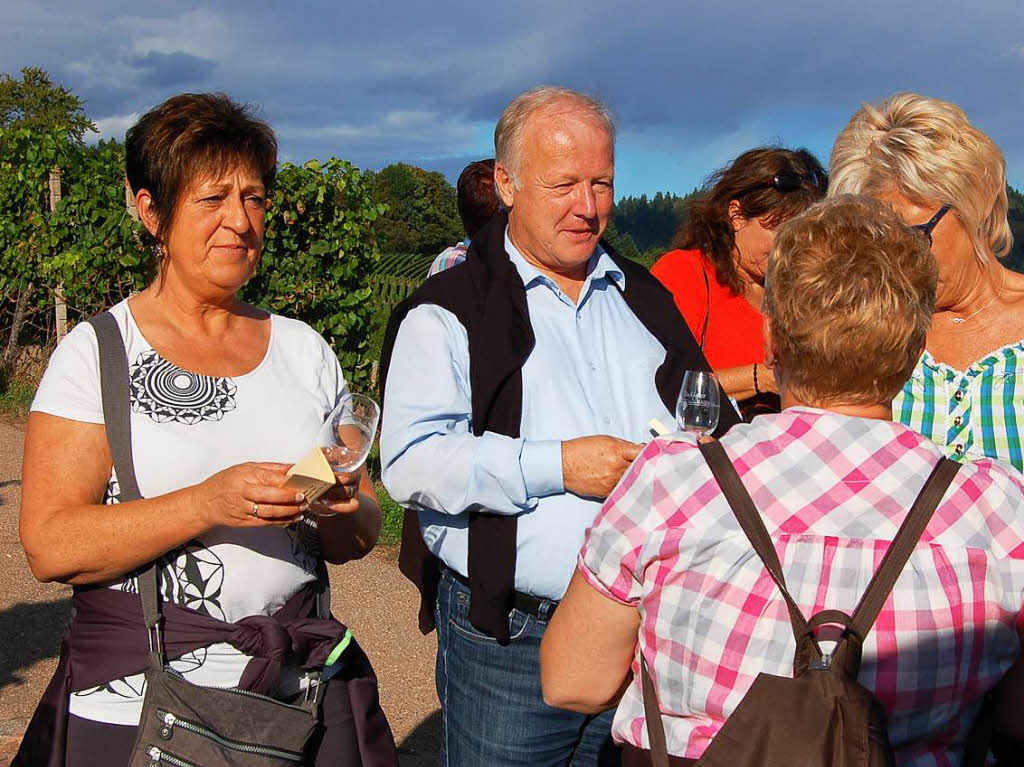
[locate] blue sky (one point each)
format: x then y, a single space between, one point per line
691 84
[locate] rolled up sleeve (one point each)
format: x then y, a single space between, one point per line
630 520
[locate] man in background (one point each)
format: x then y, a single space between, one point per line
477 203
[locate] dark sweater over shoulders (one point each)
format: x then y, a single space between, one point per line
486 294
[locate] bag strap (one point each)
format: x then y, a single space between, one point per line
753 526
707 309
116 401
114 377
323 590
652 715
903 544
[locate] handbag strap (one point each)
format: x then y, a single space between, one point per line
892 563
707 309
114 390
116 396
903 544
753 526
652 715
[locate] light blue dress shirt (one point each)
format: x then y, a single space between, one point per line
590 372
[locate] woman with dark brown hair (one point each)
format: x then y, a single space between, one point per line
221 398
716 272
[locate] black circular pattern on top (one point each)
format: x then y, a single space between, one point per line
166 392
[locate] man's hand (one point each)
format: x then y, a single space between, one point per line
592 466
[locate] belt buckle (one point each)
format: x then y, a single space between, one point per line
552 606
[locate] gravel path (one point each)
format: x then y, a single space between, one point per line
370 596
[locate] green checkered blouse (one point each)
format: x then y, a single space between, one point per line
971 413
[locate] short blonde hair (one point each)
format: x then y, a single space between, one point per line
929 152
509 133
849 292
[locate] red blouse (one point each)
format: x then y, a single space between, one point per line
734 332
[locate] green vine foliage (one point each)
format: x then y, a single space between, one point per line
90 245
24 198
94 247
318 251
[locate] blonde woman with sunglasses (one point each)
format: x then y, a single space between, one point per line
946 178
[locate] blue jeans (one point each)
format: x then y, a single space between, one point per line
493 714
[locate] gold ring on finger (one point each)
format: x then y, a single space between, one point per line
256 510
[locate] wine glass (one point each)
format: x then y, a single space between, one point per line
698 403
346 438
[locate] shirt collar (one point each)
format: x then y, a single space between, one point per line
600 265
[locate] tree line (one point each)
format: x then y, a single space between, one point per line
419 212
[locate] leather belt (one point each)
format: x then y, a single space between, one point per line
538 607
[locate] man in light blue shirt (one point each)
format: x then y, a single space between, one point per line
588 391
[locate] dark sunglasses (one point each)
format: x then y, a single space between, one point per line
932 222
786 181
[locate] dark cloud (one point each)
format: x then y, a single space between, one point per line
424 83
170 70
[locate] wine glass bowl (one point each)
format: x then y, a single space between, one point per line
346 438
697 408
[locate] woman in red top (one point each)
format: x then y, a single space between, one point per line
716 274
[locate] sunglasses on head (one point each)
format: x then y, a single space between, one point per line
932 222
786 181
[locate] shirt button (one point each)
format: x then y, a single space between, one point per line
959 449
607 420
958 395
593 366
957 421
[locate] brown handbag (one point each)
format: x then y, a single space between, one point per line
822 715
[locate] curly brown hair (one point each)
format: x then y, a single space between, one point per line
849 292
748 180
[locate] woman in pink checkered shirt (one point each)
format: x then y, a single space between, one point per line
666 570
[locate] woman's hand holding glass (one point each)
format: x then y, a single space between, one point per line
343 498
346 439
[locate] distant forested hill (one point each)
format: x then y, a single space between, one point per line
643 227
1016 258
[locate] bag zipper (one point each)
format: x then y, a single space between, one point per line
170 721
159 757
236 691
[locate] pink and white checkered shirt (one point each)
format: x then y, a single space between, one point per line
833 491
448 258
